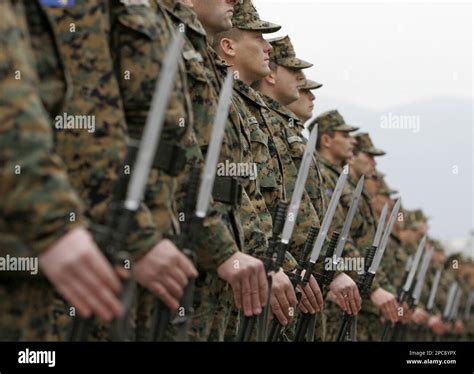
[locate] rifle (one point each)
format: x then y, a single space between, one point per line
405 288
364 282
270 264
431 299
112 238
399 330
306 318
195 207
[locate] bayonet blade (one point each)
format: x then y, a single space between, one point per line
380 227
336 195
386 235
457 300
449 302
154 124
434 289
299 187
213 152
414 265
422 274
348 222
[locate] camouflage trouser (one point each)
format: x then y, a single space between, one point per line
232 327
288 334
213 302
369 326
212 310
333 320
62 315
24 309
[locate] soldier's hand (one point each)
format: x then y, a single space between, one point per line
386 303
311 297
165 271
419 316
435 323
283 299
406 314
459 327
246 275
81 273
346 292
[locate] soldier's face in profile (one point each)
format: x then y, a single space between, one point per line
438 258
378 201
215 15
252 54
303 107
341 146
410 237
287 83
371 185
363 164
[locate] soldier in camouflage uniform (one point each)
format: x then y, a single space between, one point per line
40 213
303 107
206 72
396 254
335 143
411 232
80 35
315 184
434 325
362 233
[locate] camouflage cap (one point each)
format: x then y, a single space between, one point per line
364 144
420 216
246 18
333 121
437 245
308 84
409 221
283 53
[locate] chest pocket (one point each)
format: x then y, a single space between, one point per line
266 173
194 63
141 19
296 146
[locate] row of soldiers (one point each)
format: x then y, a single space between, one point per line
78 81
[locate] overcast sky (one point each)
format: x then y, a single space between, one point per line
375 57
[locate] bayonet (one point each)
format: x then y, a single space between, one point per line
434 289
348 222
385 238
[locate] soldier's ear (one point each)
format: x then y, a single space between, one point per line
227 46
271 79
188 3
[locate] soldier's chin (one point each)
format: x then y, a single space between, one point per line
265 69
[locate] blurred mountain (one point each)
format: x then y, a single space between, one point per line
430 160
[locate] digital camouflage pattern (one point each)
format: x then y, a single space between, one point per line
283 53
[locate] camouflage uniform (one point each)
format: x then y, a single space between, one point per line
82 36
333 121
206 73
143 58
252 111
37 198
363 232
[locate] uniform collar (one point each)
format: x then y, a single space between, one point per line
247 91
